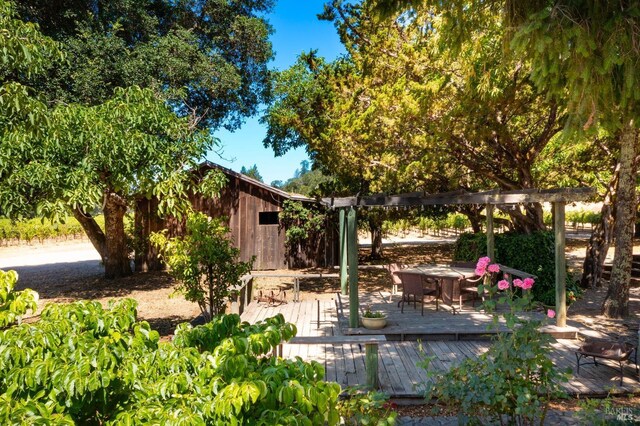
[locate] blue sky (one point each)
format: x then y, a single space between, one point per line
297 29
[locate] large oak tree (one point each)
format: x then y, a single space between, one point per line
208 57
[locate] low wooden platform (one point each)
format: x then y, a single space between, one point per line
466 324
400 372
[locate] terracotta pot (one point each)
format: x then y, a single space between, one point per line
373 323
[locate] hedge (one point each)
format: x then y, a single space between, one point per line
533 253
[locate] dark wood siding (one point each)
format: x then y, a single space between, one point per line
241 203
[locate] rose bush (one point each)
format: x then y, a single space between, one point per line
514 381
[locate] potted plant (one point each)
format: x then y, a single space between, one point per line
373 320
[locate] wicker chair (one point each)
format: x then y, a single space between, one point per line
414 290
395 280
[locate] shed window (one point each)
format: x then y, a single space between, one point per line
268 218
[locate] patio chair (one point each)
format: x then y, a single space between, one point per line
395 280
413 290
468 286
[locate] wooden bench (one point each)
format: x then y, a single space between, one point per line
296 279
370 343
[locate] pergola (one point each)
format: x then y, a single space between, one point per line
348 230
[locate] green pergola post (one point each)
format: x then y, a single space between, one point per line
561 264
490 237
343 252
352 249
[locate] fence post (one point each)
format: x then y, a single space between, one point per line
371 365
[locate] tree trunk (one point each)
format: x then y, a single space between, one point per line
601 237
475 218
93 231
147 221
376 241
116 260
213 309
616 304
375 218
531 220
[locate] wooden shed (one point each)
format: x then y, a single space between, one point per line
252 209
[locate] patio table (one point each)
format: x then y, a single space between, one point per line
447 277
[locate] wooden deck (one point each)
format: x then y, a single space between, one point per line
400 371
466 324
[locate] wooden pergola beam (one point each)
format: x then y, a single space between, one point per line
348 232
493 197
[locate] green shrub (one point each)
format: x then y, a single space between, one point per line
533 253
204 261
82 364
457 221
371 408
582 217
14 304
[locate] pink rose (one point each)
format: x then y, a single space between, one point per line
484 261
527 283
481 266
551 313
518 283
493 268
503 284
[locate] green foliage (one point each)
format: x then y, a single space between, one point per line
435 223
14 304
371 408
106 155
532 253
513 381
301 223
400 113
106 141
82 364
24 49
368 313
42 229
582 217
207 58
306 181
252 172
605 412
204 261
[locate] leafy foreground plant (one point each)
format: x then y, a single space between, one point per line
83 364
204 262
14 304
514 381
372 408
